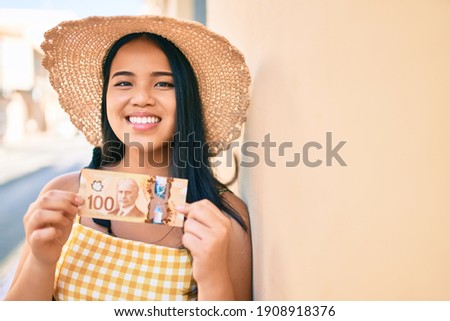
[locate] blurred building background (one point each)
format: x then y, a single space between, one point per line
28 105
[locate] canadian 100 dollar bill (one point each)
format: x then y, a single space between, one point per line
132 197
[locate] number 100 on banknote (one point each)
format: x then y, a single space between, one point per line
132 197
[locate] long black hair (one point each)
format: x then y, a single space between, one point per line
190 156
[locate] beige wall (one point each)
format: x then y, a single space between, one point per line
377 75
171 8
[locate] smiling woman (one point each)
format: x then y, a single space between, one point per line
140 97
142 88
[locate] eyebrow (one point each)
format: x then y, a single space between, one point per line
153 74
162 73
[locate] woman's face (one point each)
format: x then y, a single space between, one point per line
140 99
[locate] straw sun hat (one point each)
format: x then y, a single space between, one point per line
74 53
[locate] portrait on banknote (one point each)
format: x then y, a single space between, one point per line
132 197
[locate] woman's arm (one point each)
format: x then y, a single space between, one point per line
47 224
240 251
32 281
221 250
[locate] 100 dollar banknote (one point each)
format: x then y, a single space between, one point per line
132 197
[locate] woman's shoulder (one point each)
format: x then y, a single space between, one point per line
237 204
234 200
66 182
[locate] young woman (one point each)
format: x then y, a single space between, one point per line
156 96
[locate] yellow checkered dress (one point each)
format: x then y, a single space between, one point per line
97 266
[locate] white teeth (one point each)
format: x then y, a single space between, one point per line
144 120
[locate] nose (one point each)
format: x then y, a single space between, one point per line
143 97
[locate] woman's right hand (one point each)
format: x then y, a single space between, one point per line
48 223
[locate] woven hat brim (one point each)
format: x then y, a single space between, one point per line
74 53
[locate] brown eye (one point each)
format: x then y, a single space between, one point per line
122 84
164 84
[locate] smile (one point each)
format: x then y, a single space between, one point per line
144 120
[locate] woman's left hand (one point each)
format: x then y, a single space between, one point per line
207 236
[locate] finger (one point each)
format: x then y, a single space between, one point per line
42 218
210 235
73 198
70 197
195 228
44 235
189 210
184 209
206 213
58 201
192 243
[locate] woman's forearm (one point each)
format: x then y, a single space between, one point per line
221 289
35 282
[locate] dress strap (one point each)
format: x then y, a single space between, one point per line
222 190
